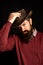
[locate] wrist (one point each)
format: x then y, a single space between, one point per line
12 20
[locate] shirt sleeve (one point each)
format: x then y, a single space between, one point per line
5 42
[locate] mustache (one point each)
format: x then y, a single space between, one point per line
26 31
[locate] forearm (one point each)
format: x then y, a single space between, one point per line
4 35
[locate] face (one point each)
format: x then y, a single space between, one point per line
25 26
26 30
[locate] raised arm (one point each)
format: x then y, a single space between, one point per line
5 42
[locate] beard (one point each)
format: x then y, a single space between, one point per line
26 35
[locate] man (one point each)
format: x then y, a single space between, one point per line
29 44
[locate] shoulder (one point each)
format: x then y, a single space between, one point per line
40 33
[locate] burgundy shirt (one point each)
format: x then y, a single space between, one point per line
28 54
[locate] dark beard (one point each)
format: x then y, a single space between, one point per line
25 37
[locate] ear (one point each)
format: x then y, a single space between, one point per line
31 21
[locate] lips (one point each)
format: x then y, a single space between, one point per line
25 32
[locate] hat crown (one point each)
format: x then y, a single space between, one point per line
21 18
29 15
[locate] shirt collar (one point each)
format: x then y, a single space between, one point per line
35 33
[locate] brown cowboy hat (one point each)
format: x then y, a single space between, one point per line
23 16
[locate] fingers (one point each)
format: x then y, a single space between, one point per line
13 16
17 14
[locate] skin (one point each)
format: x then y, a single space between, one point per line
25 26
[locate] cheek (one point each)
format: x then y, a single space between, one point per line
28 27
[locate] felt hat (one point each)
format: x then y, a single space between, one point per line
23 16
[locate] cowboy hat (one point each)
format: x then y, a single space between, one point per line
23 16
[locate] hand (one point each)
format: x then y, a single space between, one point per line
13 16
